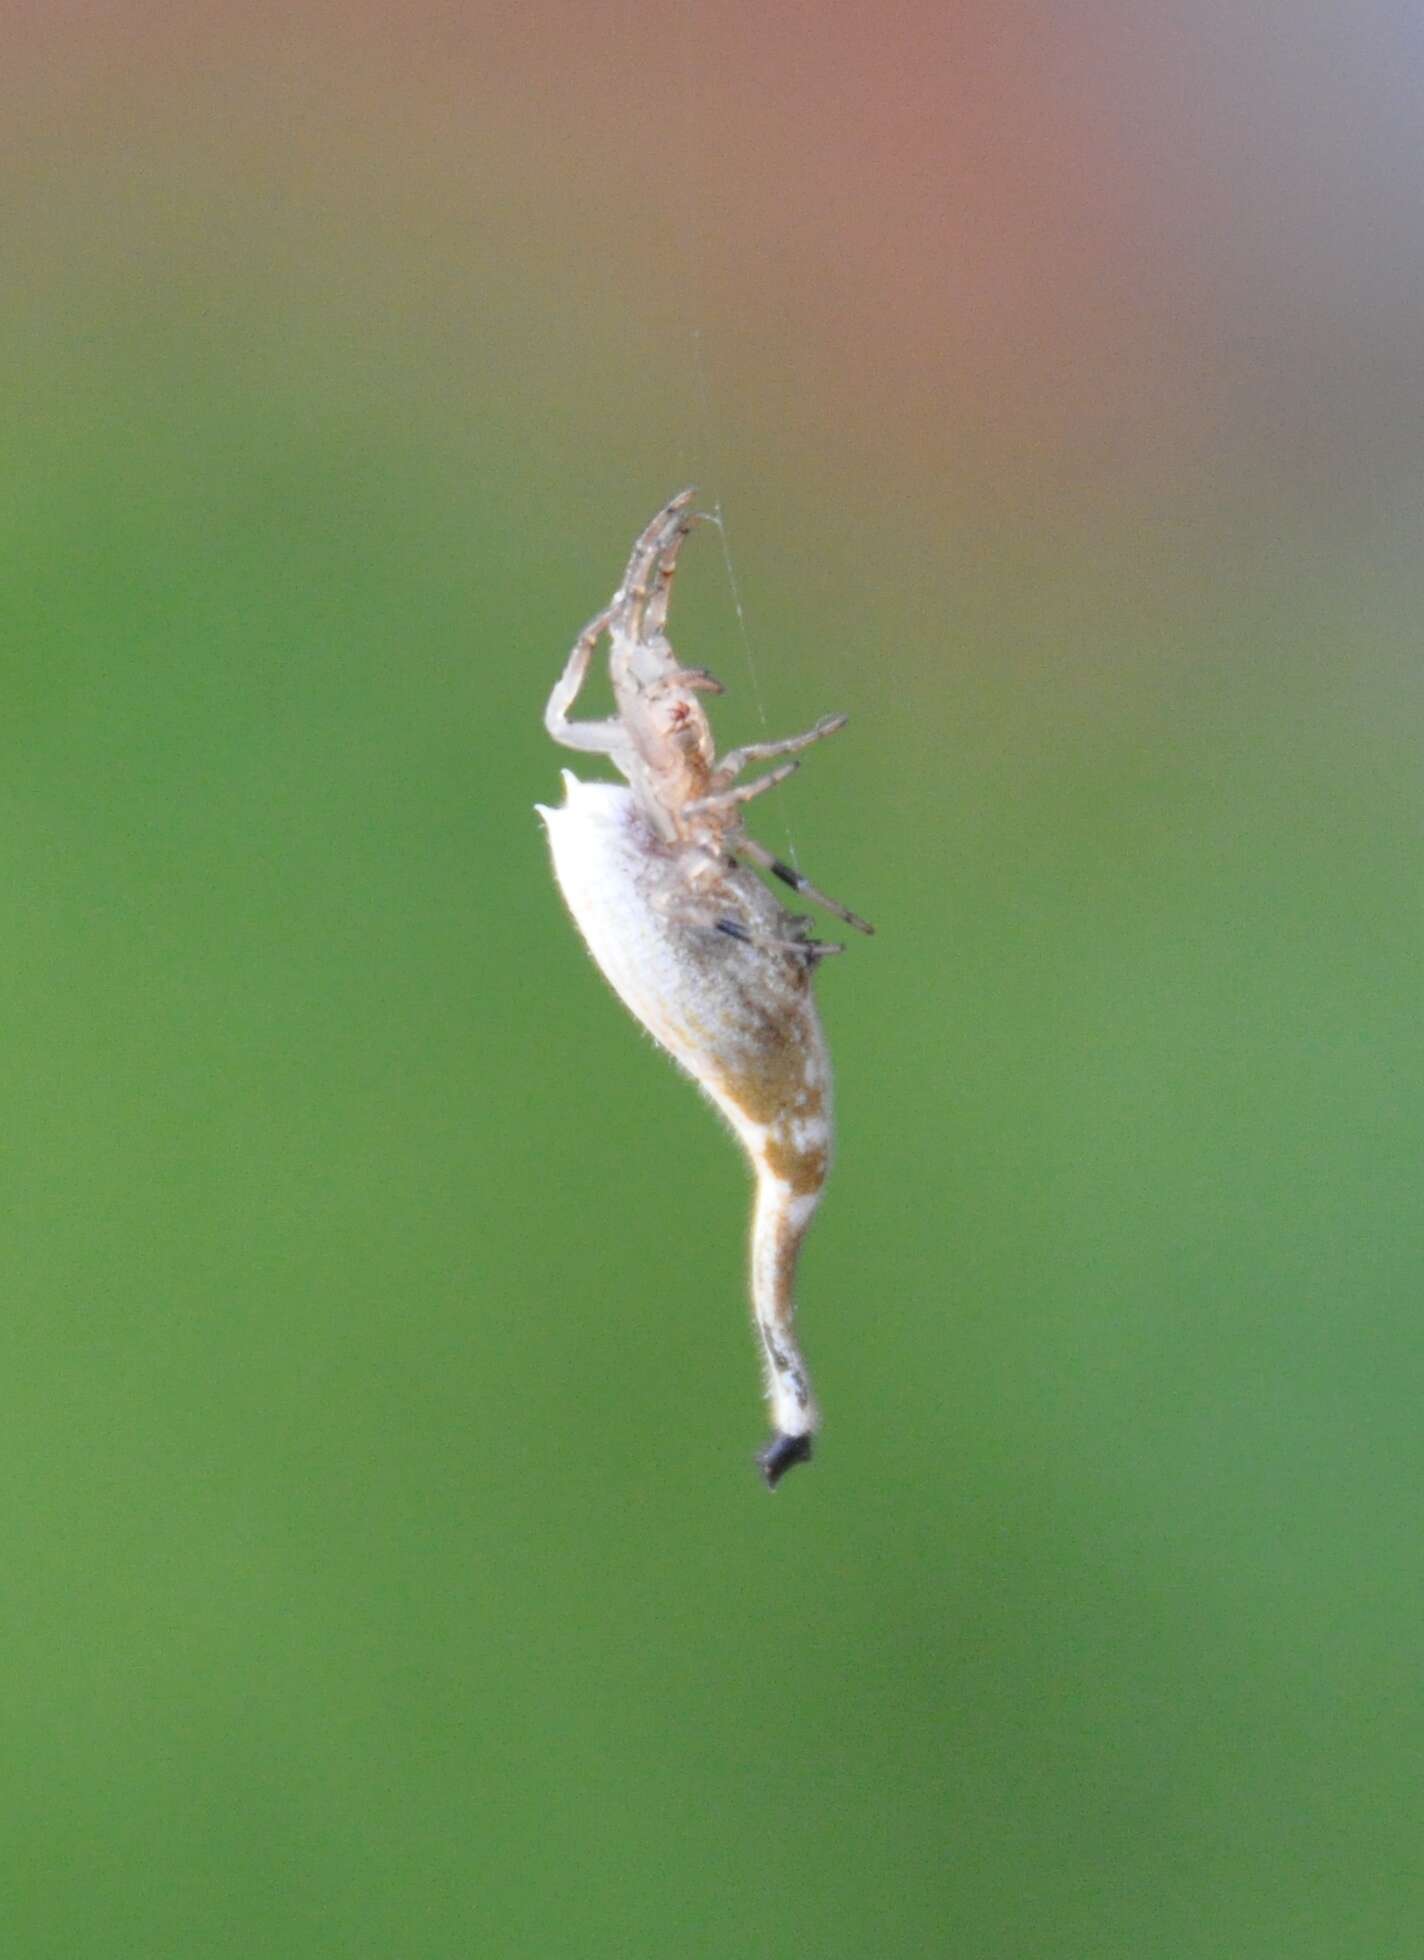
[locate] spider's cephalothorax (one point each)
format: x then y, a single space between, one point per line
691 940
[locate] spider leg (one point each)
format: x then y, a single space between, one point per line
815 949
597 737
641 601
759 854
704 908
696 680
662 591
723 800
735 760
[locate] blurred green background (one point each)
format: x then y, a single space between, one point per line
385 1572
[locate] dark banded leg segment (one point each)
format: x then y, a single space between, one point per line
815 949
789 875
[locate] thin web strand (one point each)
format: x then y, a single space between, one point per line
717 517
691 237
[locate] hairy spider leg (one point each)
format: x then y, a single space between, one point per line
725 800
815 949
642 599
667 571
735 760
595 737
759 854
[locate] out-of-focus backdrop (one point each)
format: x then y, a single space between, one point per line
384 1568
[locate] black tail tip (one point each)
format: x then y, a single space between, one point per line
781 1454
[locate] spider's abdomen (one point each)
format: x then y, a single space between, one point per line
737 1015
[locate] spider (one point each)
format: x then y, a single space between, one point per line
693 942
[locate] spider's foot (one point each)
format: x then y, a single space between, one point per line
781 1454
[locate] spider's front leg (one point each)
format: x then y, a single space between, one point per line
642 602
594 737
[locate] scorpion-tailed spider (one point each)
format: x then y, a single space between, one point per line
655 874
